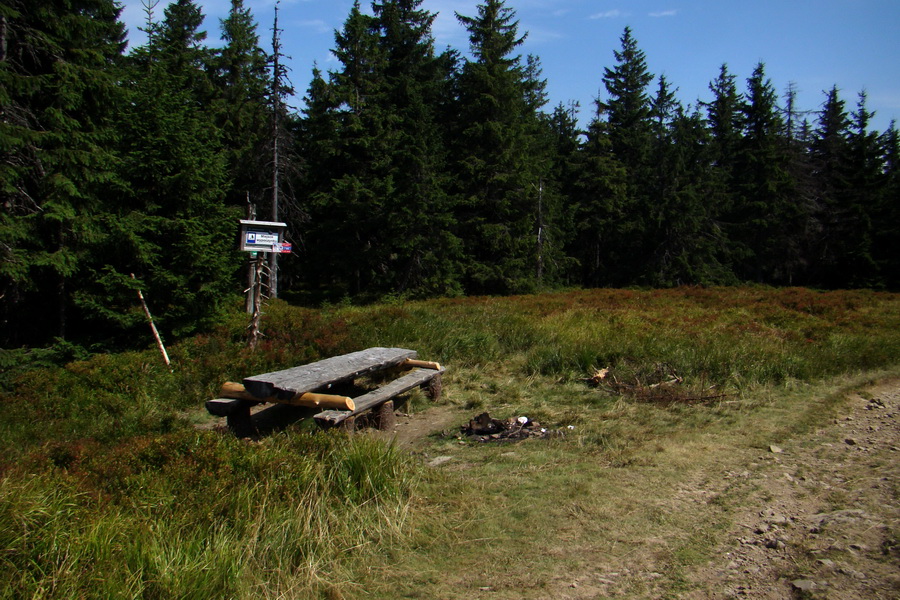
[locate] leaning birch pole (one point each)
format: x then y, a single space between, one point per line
159 342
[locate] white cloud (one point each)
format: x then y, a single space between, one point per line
664 13
317 25
610 14
538 35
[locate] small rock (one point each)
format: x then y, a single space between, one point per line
777 519
850 442
772 544
803 585
440 460
853 573
775 449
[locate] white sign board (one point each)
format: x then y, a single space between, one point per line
261 236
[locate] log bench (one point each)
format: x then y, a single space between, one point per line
308 385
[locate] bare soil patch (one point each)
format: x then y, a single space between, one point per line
824 519
412 428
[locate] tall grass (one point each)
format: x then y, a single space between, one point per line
198 515
738 335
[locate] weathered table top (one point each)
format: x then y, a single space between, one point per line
321 375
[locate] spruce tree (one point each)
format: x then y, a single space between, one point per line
691 247
628 113
565 143
376 172
172 229
422 250
58 90
348 205
241 80
866 181
830 153
603 225
724 124
800 168
767 214
500 161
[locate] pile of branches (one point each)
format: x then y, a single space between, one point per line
661 385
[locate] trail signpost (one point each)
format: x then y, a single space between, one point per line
260 238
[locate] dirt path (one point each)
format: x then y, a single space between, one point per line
816 517
825 517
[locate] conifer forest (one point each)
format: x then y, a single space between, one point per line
406 172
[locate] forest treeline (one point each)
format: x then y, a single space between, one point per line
408 172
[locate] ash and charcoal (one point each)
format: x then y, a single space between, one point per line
484 428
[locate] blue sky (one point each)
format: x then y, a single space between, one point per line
814 44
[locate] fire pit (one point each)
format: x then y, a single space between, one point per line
485 428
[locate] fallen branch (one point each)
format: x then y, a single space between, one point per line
667 391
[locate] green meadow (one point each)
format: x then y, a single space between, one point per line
114 484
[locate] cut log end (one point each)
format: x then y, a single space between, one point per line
329 401
411 363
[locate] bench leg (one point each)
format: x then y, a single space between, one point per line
386 418
240 423
434 388
348 424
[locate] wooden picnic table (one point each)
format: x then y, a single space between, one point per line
287 385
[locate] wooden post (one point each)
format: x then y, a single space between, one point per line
386 418
240 422
254 335
251 266
435 387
